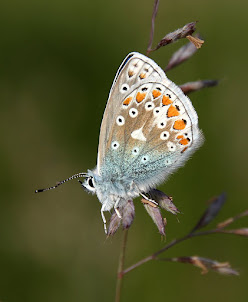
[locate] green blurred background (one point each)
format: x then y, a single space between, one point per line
57 62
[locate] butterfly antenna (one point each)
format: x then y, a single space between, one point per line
62 182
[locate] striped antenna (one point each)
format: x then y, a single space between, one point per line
62 182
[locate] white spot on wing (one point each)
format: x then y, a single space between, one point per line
115 145
135 151
120 120
138 134
124 88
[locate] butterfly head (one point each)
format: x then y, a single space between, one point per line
89 183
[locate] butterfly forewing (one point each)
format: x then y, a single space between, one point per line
134 70
152 129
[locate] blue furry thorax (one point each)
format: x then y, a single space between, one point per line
113 184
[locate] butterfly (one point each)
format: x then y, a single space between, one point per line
149 129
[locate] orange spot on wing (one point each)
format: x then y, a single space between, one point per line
130 73
142 75
184 149
166 100
180 136
179 124
127 101
172 111
184 141
140 96
156 93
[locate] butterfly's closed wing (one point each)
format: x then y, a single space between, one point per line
150 127
133 70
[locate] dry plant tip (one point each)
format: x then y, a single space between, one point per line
206 264
114 224
181 55
211 212
225 223
157 218
198 263
180 33
241 232
230 220
198 85
128 215
196 41
164 201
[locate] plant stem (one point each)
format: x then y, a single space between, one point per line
171 244
154 14
120 274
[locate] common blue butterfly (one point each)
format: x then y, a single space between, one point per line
149 129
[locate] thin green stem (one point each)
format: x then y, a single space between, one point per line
120 274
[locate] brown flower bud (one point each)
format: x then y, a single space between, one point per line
128 214
156 217
163 200
181 55
197 85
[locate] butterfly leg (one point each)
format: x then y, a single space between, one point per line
116 207
104 219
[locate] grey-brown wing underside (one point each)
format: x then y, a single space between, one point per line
135 69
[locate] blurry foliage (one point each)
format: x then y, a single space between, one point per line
57 62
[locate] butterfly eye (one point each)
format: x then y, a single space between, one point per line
89 184
115 145
124 88
164 135
133 112
120 120
149 106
